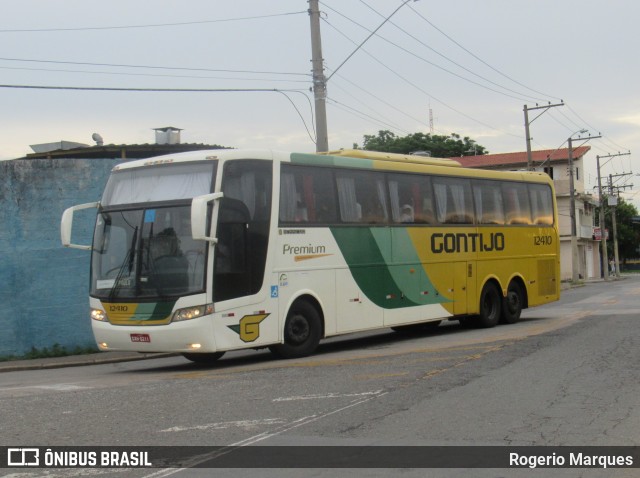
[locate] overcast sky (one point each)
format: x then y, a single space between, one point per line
474 63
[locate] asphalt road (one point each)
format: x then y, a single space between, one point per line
568 374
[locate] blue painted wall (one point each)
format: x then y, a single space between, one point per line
44 288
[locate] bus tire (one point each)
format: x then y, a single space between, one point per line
302 332
512 304
490 306
203 358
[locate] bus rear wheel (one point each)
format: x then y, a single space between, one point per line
512 304
490 306
203 358
302 332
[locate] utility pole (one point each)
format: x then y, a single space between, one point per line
603 236
319 80
613 202
527 123
572 212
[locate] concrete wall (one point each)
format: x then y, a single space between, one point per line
44 287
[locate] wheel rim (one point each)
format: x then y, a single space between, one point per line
298 330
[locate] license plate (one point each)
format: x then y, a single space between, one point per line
140 338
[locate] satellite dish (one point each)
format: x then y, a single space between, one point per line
97 138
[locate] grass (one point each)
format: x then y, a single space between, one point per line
56 350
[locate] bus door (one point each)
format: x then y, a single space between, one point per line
245 315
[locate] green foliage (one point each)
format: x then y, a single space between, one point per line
628 232
438 145
56 350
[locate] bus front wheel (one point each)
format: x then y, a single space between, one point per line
512 304
490 306
302 332
203 358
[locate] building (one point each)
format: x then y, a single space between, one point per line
167 142
45 287
556 164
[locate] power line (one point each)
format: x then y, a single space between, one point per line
520 97
365 115
174 90
152 75
480 59
154 67
422 90
151 25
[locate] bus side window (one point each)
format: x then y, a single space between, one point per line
541 204
306 195
487 196
410 199
516 203
362 197
453 200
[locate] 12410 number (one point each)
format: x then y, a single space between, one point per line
542 240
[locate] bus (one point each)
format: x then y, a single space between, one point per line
206 252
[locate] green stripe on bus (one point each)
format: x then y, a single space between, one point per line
154 310
327 160
389 282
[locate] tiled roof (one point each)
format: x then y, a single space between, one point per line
520 159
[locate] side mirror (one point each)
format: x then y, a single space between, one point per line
66 225
199 216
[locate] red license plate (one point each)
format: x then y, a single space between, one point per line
140 338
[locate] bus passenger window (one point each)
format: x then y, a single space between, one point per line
453 200
306 195
516 203
487 196
541 204
410 199
362 197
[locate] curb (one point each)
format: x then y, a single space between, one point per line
89 359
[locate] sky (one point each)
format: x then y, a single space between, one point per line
470 66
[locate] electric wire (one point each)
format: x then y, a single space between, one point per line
155 67
475 120
521 96
151 25
365 115
367 106
151 75
174 90
480 59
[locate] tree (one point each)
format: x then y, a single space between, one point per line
439 146
628 231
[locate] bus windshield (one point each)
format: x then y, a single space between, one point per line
146 253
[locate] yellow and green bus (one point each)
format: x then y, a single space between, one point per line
211 251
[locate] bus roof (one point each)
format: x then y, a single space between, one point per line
361 159
402 158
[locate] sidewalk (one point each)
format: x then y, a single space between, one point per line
77 360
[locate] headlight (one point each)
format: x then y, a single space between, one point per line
189 313
98 314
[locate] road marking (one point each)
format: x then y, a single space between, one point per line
325 395
260 437
246 424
